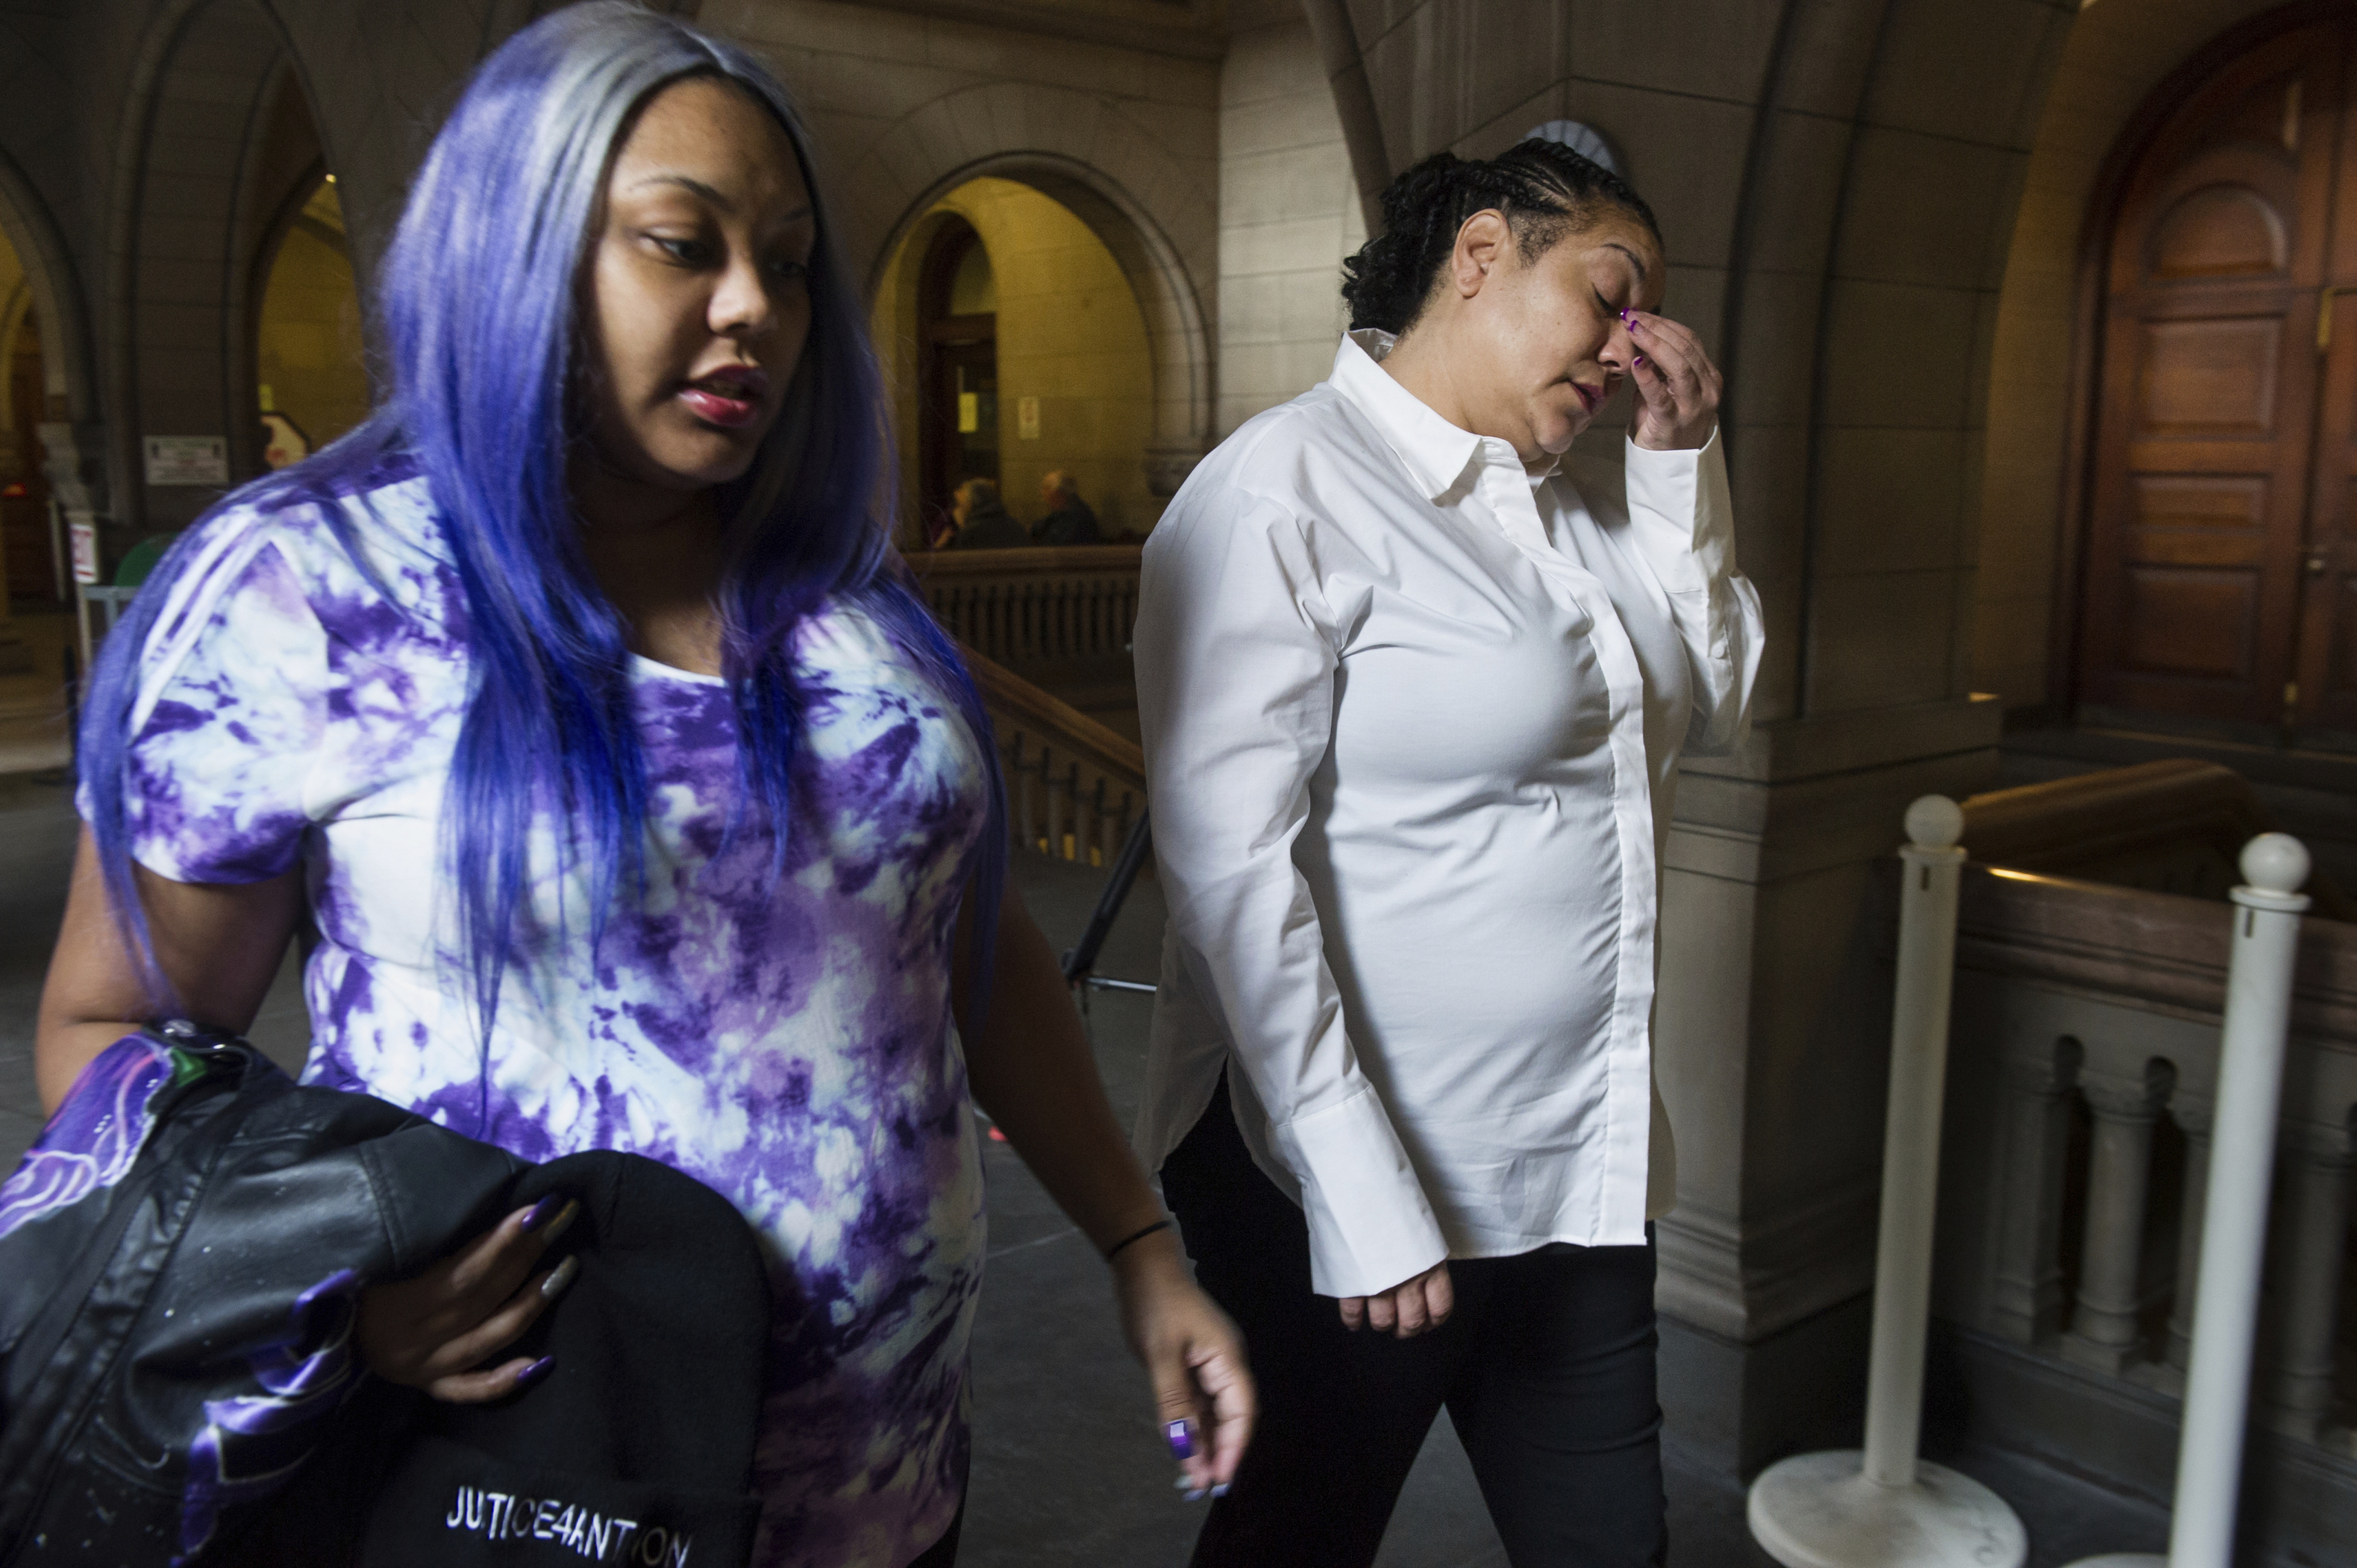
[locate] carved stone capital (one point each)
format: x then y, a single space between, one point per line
2192 1114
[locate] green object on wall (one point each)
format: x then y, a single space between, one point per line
141 558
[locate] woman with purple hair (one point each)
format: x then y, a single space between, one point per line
576 712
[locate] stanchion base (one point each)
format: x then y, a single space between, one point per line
1818 1510
2123 1559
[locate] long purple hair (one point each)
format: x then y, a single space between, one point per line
479 336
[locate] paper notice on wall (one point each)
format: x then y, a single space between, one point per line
187 460
1027 418
969 412
82 542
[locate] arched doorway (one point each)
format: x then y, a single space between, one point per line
313 381
998 282
2221 585
957 409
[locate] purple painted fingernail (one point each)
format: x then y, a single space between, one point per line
1637 362
542 1210
1220 1491
536 1371
1195 1494
1182 1439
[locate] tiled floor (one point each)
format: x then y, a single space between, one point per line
1068 1470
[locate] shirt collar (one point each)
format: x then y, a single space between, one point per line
1435 451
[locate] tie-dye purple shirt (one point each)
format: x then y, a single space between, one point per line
785 1040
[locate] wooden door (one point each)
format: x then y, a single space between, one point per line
2207 423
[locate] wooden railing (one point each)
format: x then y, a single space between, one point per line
1072 606
2172 826
2084 1070
1073 786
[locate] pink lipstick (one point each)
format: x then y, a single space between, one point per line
729 398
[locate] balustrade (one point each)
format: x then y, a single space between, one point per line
2101 1325
1073 786
1073 605
2112 996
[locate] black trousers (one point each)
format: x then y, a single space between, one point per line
1545 1367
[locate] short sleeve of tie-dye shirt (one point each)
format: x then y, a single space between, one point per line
237 655
774 1022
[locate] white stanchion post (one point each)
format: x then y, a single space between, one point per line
1885 1507
2235 1211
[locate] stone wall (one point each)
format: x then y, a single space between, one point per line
1288 215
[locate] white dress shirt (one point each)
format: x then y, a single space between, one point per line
1412 719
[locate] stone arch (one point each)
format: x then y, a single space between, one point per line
194 194
55 287
1088 155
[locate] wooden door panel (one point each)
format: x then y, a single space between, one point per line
2193 557
2197 621
2217 377
2235 504
2219 231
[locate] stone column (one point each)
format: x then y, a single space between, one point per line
2312 1176
2191 1114
2027 1301
2104 1331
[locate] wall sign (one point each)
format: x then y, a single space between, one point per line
187 460
1027 419
82 536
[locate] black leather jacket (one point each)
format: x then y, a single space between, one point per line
181 1258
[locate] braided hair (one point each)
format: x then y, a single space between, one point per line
1544 189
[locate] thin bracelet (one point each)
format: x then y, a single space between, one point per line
1163 1224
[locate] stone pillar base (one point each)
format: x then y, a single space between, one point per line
1743 1406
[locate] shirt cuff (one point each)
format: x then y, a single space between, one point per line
1370 1226
1677 511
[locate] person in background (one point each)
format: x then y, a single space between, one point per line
981 520
1413 681
1068 519
578 714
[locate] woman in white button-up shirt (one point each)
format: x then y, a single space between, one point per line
1414 686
